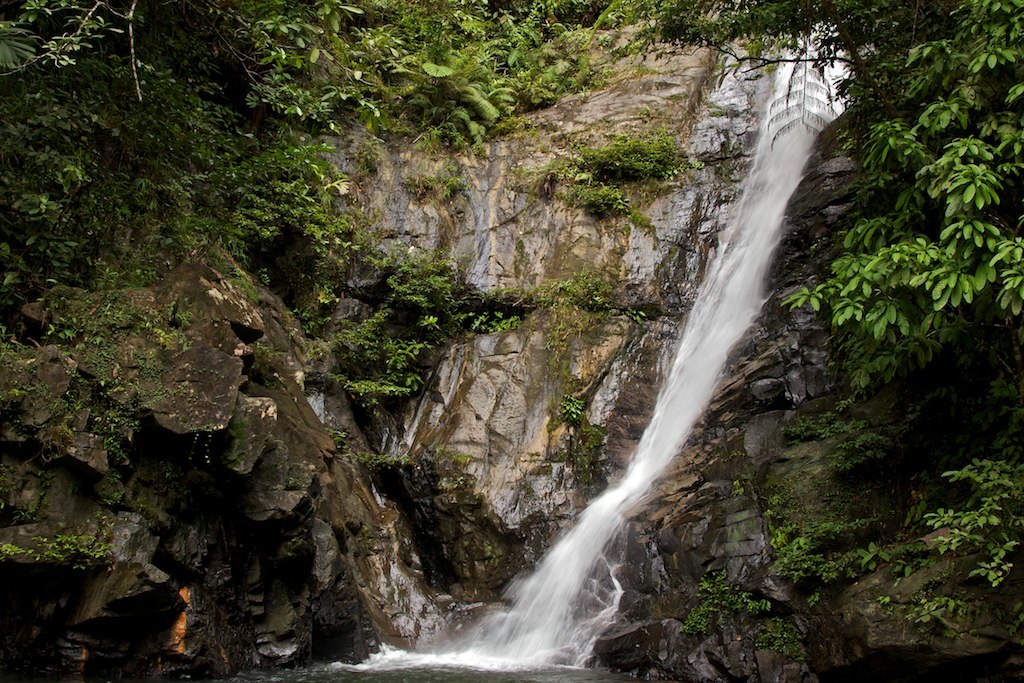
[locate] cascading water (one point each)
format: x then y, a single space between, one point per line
558 611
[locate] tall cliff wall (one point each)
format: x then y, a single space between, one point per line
494 468
185 487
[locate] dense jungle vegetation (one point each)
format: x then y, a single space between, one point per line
137 135
926 288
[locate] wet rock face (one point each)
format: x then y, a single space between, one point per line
516 430
487 419
507 220
705 518
168 494
709 519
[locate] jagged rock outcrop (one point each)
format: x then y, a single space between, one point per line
705 518
179 506
497 469
717 521
172 501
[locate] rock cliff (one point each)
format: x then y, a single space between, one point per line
180 484
171 503
185 487
497 468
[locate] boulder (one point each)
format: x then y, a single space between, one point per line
212 488
252 433
204 297
87 455
201 391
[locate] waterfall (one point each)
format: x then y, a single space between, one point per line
558 611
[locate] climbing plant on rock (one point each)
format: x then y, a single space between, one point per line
936 255
932 268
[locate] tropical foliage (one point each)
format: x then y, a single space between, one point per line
935 255
870 37
136 136
928 279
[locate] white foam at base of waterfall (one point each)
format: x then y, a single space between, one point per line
558 611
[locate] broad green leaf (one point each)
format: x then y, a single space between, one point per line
437 70
969 194
16 46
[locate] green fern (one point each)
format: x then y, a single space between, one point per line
437 70
16 46
477 99
457 97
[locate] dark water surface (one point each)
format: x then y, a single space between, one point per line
342 673
338 673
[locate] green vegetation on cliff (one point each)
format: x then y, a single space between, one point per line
137 136
926 287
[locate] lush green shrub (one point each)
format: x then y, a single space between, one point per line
651 154
781 635
990 523
87 183
817 552
80 551
420 304
599 199
588 290
456 96
572 409
720 598
284 223
490 321
595 175
542 71
818 427
864 454
440 187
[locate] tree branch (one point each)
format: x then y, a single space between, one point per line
131 48
65 38
761 62
859 67
1018 358
247 62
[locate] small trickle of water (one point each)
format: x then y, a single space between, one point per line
317 401
557 612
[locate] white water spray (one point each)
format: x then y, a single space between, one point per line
558 611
